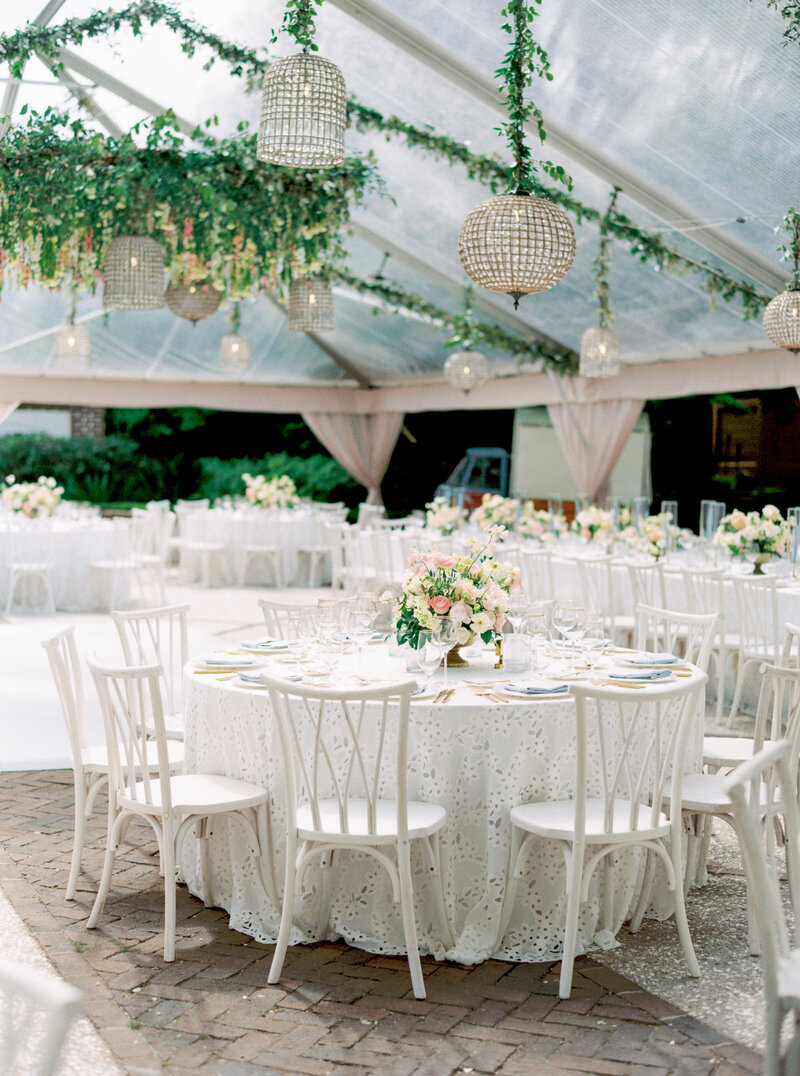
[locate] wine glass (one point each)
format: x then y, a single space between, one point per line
445 633
517 606
360 631
594 637
565 617
576 633
429 655
536 637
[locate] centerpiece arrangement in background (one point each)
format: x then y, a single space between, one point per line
277 492
754 536
472 591
442 516
495 511
654 535
31 499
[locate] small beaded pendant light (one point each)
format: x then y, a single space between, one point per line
133 274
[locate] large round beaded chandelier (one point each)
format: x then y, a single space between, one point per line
133 274
599 345
303 102
235 353
310 306
782 316
467 370
515 242
192 300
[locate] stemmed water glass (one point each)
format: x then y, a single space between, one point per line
361 617
565 619
517 606
445 633
594 637
429 655
576 633
534 633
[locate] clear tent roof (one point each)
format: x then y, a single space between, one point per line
699 106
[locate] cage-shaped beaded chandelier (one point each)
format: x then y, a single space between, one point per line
467 370
133 274
303 113
599 353
72 347
192 300
310 306
515 242
235 353
782 316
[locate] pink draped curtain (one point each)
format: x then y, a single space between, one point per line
592 436
7 409
363 444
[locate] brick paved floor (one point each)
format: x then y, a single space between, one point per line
337 1010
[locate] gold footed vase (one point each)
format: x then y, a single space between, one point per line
455 659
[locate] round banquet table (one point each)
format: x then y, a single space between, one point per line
475 757
227 528
72 546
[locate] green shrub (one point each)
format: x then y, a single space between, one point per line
315 476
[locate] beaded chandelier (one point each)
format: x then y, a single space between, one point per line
72 346
782 316
192 300
515 242
599 344
467 370
235 353
310 306
303 103
133 274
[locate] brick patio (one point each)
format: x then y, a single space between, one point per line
338 1010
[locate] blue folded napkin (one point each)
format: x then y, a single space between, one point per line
538 687
641 674
653 659
225 663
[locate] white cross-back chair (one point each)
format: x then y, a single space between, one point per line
146 551
537 573
261 541
599 594
340 750
358 558
705 796
89 764
758 790
757 611
314 549
119 569
629 756
279 617
689 635
37 1012
704 590
334 540
30 560
647 584
173 805
158 636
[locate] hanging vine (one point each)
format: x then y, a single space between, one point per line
790 10
648 247
298 22
791 248
601 267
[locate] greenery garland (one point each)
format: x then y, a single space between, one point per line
791 248
791 12
462 326
17 48
601 267
298 22
220 214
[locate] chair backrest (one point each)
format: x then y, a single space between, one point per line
343 746
757 613
537 574
261 528
662 630
145 532
158 636
647 584
368 513
704 590
133 718
334 540
764 785
380 540
790 653
37 1011
278 615
30 541
597 588
62 654
632 750
778 711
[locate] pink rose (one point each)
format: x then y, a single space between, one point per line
516 582
440 604
442 560
493 597
460 612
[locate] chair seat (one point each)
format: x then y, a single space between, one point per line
198 793
705 792
556 820
789 978
726 750
95 759
423 820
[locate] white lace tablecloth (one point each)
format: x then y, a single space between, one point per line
72 547
475 758
227 527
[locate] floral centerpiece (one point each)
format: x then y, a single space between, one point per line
277 492
593 523
495 511
32 499
442 516
756 536
651 536
471 590
537 523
